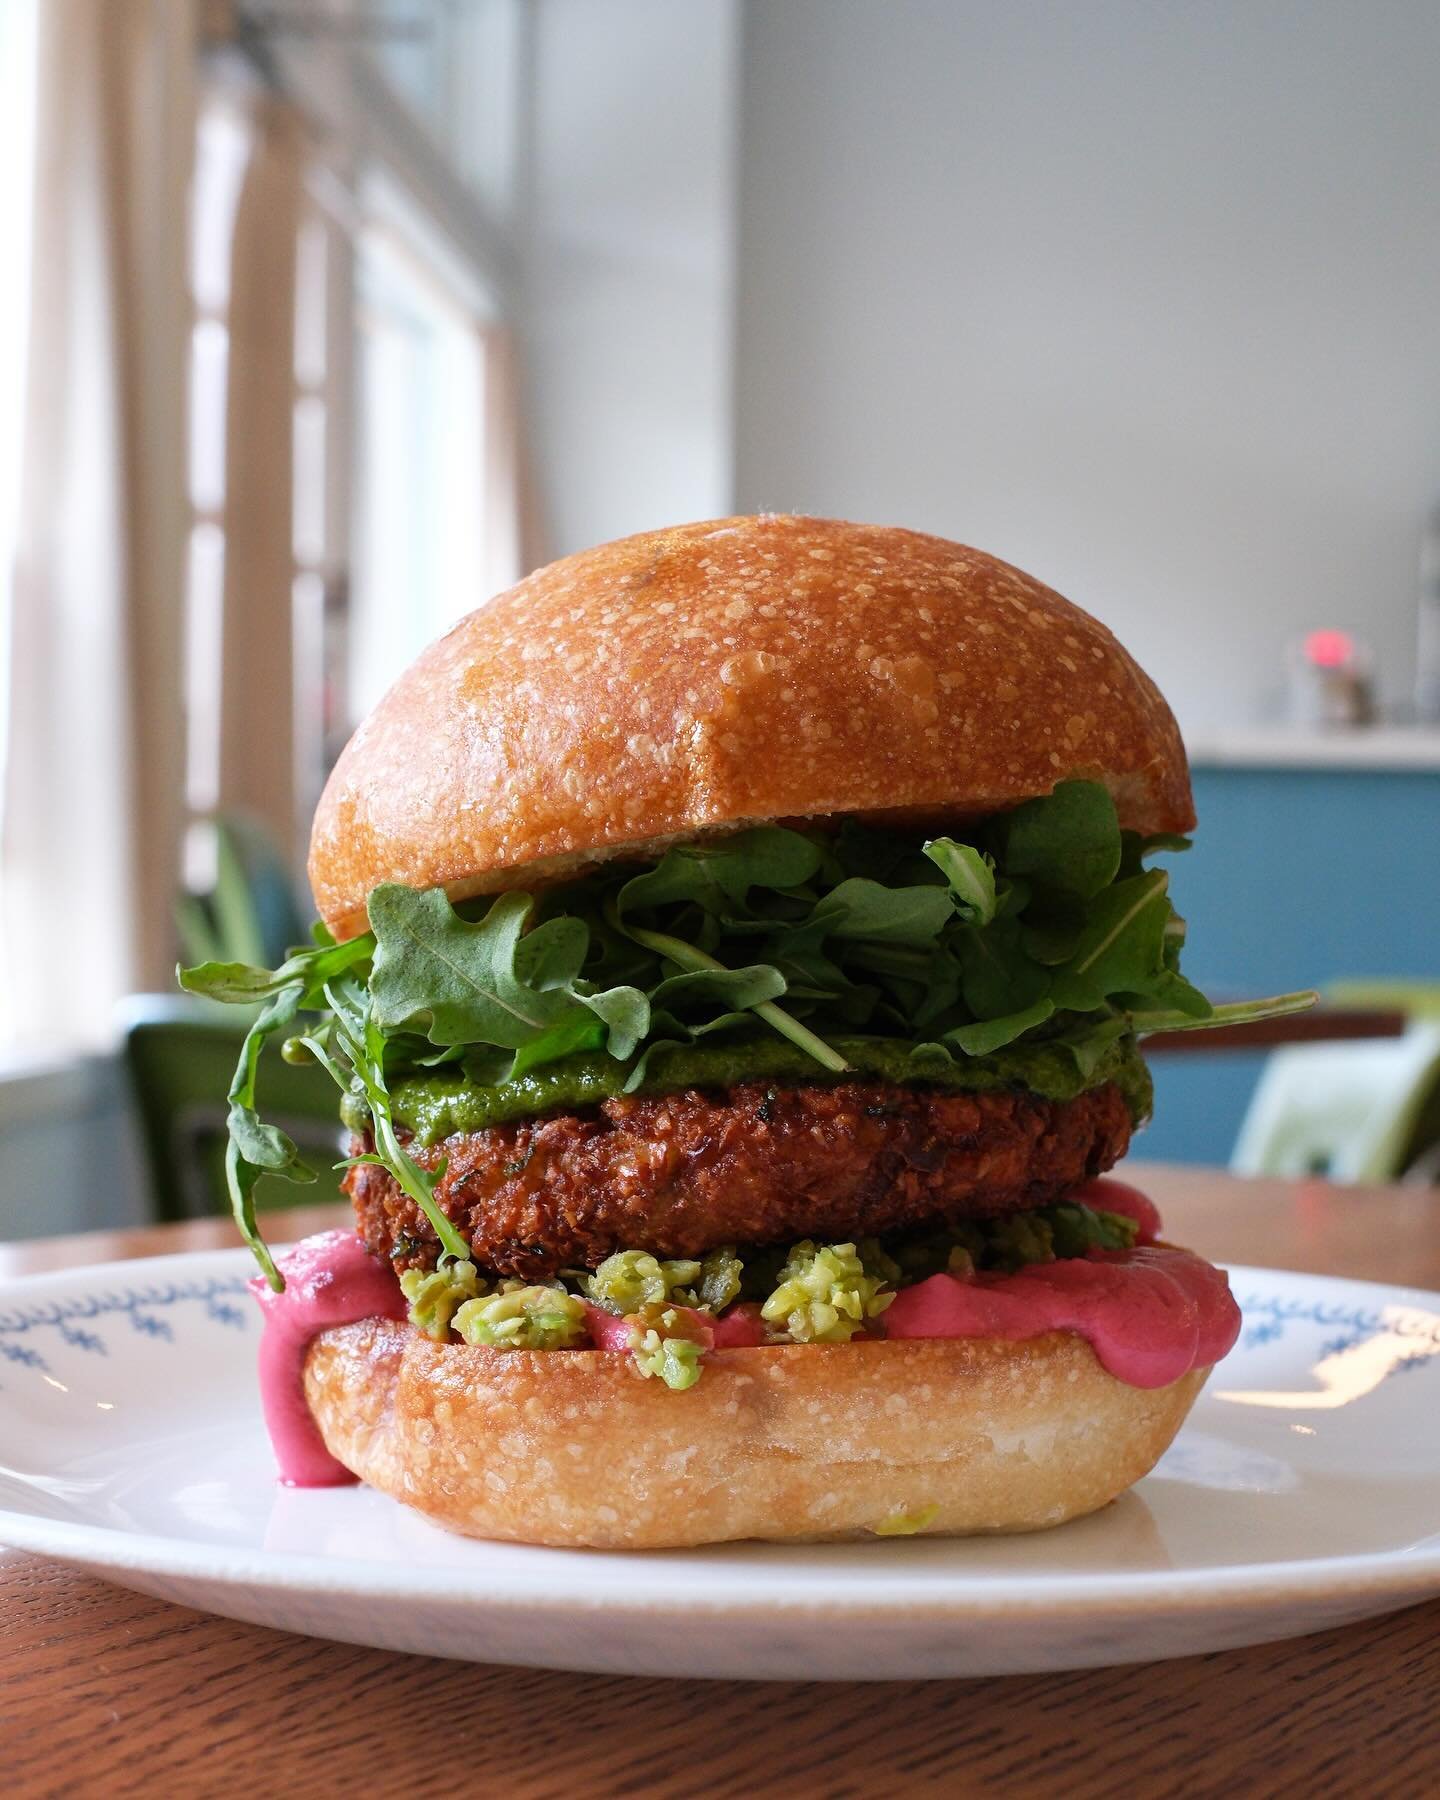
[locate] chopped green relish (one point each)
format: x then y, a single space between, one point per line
436 1104
668 1354
826 1294
1001 1246
523 1318
506 1316
435 1295
810 1294
632 1280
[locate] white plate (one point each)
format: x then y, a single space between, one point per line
1304 1492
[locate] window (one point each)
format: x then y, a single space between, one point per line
398 472
17 144
322 460
17 132
393 507
272 475
455 64
223 142
420 524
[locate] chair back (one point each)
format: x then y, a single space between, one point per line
1355 1111
179 1058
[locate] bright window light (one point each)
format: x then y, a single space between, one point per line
204 617
222 150
209 369
420 512
17 145
309 476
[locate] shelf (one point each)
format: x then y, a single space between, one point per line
1381 747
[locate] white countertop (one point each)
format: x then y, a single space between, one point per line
1279 747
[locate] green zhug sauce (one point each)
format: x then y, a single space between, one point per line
435 1105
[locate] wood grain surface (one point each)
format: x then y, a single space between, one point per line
104 1692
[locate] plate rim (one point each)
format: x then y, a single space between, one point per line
636 1584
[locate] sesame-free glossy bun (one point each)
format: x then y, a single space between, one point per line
784 1442
718 675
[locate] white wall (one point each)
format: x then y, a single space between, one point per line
1144 297
628 283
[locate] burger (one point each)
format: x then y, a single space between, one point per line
736 942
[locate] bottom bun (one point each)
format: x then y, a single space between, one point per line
784 1442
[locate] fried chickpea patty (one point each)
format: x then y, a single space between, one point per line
678 1174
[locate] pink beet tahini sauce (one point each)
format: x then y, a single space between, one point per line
1150 1314
738 1327
330 1279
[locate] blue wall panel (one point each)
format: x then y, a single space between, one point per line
1298 877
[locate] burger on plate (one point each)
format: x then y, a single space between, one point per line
737 941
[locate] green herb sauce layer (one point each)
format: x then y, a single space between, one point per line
434 1106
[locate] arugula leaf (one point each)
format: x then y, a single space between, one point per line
457 982
971 876
549 956
658 1046
1135 849
494 982
735 989
1086 1040
257 1149
1121 949
1069 841
1052 937
363 1040
719 875
242 984
798 952
623 1011
938 995
578 1031
1231 1012
689 957
997 978
992 1034
865 909
266 1146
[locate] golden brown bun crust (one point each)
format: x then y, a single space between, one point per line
792 1441
722 674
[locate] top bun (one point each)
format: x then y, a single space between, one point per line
713 676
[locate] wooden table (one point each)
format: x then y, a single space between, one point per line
107 1693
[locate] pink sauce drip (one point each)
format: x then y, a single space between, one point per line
1150 1314
329 1280
1107 1195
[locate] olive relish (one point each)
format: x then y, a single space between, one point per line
806 1294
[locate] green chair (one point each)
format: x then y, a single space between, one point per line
180 1052
179 1057
1420 999
1351 1111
